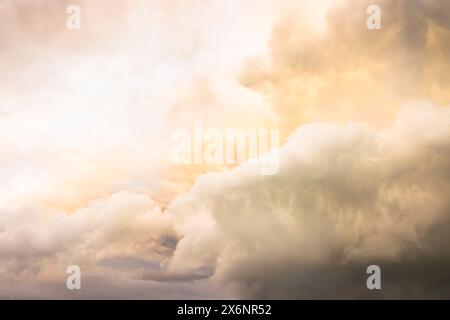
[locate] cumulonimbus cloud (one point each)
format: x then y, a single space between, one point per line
345 197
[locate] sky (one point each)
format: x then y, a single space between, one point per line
86 133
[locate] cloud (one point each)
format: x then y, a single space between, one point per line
345 72
93 110
122 225
345 197
120 244
84 159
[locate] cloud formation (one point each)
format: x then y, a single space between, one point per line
345 198
345 72
85 119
